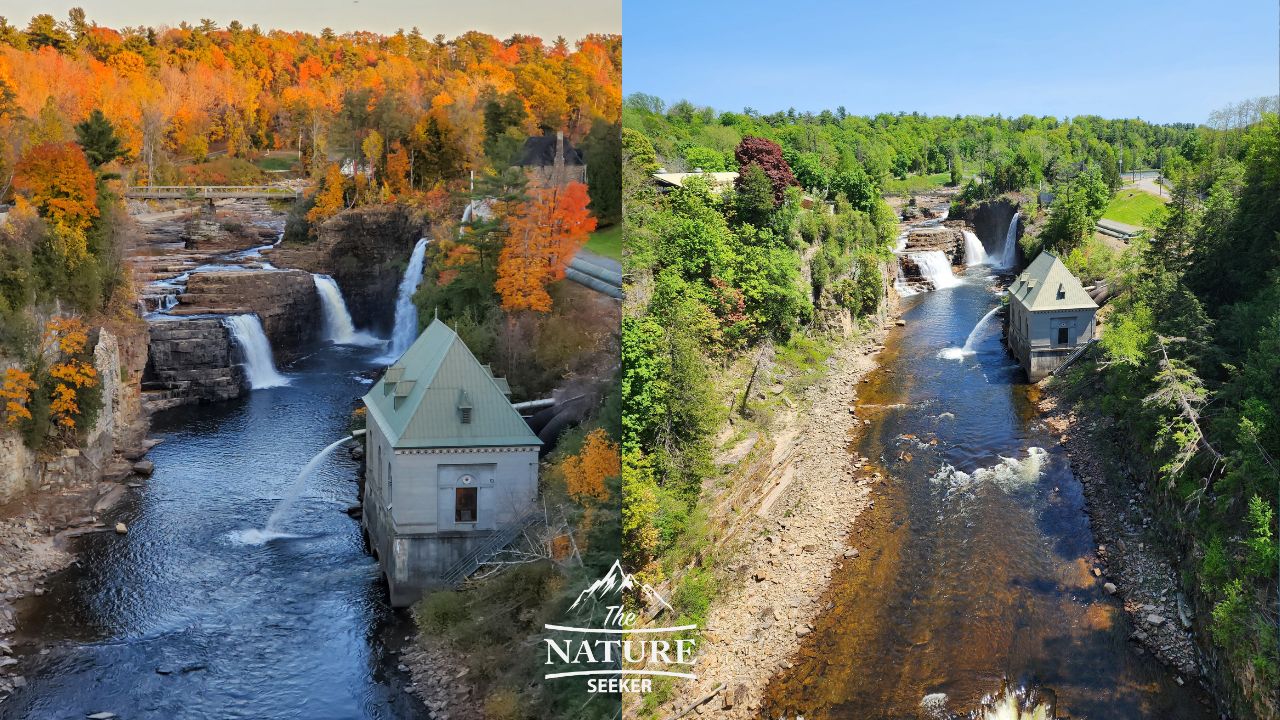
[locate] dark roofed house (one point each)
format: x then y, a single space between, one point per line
551 161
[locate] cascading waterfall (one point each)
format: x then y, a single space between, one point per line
339 328
1009 255
936 268
974 252
971 342
900 283
259 366
405 330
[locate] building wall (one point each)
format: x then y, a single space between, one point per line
411 522
1033 336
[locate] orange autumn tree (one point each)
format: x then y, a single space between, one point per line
586 477
330 199
73 374
16 392
55 179
586 473
545 231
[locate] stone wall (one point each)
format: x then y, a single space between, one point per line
191 361
365 250
285 301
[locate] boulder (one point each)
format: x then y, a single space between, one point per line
144 467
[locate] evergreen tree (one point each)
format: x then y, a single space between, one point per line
98 139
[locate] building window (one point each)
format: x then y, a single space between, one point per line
1062 292
1062 336
464 505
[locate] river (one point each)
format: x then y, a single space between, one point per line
976 560
187 617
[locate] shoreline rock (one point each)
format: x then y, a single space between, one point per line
1134 567
778 574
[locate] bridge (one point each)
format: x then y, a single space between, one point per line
211 192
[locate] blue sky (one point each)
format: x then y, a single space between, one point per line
502 18
1161 60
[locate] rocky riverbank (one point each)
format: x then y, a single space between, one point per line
38 530
784 560
1133 562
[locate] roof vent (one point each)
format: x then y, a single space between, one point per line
464 407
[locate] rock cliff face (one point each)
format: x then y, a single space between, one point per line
365 251
119 430
990 219
191 361
285 301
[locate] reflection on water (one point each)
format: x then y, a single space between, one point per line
975 562
195 613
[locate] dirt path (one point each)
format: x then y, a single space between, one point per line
797 537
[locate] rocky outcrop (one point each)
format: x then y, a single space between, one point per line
365 250
191 361
284 300
948 239
989 218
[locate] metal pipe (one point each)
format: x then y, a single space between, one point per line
533 404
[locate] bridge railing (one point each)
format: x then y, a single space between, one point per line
210 191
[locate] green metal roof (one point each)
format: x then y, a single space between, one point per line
1045 279
420 400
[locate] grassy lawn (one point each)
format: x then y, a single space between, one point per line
607 242
1132 206
915 183
276 163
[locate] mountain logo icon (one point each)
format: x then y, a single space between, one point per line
613 584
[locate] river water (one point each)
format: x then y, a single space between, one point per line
976 561
187 616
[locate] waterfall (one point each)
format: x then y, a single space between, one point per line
974 252
970 343
405 330
259 366
936 268
339 328
900 283
1009 255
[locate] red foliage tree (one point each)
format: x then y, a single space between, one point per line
768 155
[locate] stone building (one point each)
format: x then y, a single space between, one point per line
450 466
551 161
1050 316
